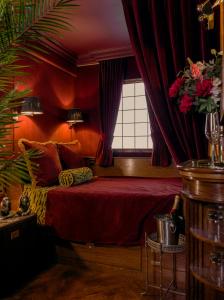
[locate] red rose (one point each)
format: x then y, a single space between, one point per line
203 88
185 103
195 71
175 87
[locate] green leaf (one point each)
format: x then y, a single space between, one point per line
25 26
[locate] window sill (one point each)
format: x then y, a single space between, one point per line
132 153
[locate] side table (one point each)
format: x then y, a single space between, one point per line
151 242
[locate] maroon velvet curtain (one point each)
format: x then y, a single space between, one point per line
163 34
160 154
111 78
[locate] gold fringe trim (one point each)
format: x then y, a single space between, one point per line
38 198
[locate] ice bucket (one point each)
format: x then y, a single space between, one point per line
167 232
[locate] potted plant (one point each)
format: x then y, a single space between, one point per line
25 27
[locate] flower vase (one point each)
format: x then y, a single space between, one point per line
212 130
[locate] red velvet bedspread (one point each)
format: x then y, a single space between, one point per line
110 210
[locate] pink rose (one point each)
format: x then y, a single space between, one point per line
203 88
175 87
185 103
195 71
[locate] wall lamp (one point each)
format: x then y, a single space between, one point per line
31 106
74 116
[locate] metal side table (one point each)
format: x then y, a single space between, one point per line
151 242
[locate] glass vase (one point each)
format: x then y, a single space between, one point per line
212 129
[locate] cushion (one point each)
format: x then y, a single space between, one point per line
75 176
70 156
49 165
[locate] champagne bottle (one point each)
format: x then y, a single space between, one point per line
176 213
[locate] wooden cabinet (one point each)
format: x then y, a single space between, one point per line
26 248
203 191
17 251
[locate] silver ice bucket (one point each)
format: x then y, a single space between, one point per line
167 232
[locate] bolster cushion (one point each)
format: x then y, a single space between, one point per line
75 176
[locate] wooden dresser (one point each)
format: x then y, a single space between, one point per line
203 192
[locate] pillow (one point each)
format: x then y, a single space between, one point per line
75 176
70 156
49 165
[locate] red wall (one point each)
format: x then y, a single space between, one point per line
87 99
59 91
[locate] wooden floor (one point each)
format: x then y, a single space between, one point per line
71 282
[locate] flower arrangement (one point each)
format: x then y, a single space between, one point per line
198 87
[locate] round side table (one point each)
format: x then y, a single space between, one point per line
152 243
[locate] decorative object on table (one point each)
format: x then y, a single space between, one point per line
170 226
212 130
215 222
217 267
24 206
221 144
177 214
198 89
167 232
5 206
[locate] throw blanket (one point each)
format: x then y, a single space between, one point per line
110 210
38 198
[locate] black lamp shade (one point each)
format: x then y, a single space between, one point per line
74 116
31 106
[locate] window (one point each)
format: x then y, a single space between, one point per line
132 130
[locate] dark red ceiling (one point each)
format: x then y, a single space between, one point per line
97 26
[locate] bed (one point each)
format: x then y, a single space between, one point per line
111 214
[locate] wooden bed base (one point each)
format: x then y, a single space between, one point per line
132 259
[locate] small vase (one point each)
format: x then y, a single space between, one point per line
212 130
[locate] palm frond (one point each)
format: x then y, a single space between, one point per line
25 26
24 17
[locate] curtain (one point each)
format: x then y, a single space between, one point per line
163 34
112 73
160 154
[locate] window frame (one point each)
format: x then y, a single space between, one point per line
134 152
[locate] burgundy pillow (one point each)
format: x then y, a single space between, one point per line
70 156
49 165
